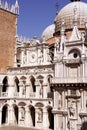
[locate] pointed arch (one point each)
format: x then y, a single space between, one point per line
32 114
32 81
5 84
16 83
15 107
5 114
50 117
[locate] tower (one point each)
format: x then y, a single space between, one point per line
8 23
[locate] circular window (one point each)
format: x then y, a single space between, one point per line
75 55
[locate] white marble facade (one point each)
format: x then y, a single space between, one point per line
47 87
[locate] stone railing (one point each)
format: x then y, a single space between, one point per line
32 94
69 80
4 94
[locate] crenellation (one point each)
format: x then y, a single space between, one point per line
13 8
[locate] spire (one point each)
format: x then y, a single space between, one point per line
57 7
16 7
75 20
74 0
76 35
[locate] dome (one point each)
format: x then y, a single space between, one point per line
48 32
67 14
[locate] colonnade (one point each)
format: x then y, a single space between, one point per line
27 116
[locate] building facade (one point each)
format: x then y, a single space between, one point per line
46 87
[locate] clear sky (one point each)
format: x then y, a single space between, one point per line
36 15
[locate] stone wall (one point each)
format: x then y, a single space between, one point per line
7 39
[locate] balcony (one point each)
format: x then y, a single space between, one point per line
17 95
4 94
68 80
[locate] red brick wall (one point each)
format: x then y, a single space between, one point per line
7 39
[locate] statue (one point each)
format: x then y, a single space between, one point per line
39 115
72 109
57 44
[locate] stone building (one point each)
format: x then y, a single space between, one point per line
46 87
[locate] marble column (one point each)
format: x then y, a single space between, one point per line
82 100
37 88
55 102
45 119
11 115
63 100
0 117
20 88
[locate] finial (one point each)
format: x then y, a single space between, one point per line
57 7
75 16
16 7
6 5
62 27
12 9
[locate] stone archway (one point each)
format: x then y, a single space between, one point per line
32 86
32 114
50 118
5 115
15 114
5 84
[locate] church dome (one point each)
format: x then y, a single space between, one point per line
48 32
67 14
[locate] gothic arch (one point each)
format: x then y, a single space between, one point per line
16 83
5 84
15 107
50 117
49 78
32 114
32 84
5 114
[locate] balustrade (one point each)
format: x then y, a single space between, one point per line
69 80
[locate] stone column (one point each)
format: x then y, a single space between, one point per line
20 88
36 116
10 89
82 100
28 119
55 105
63 99
83 69
45 119
45 91
56 122
0 116
27 88
11 115
19 115
37 88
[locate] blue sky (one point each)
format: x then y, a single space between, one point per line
36 15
